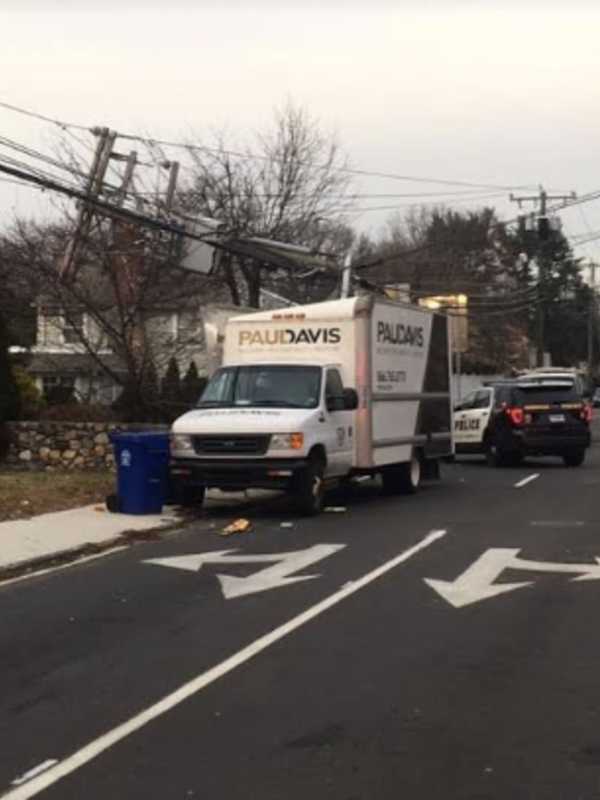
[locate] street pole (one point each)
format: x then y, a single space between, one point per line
543 228
591 324
347 275
458 374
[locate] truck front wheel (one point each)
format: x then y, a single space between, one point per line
309 489
190 496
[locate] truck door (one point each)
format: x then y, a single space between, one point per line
338 428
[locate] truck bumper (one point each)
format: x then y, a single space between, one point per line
549 445
273 473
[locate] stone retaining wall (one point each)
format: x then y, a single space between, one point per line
64 445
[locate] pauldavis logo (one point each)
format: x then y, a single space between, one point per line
289 336
398 333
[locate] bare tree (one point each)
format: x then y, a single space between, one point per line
139 310
290 186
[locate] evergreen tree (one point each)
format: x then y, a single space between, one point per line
171 391
150 394
9 392
193 385
549 268
140 402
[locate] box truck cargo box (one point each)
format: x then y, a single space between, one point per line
315 394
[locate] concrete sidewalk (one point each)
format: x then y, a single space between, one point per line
31 542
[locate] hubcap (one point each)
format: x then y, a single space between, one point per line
415 471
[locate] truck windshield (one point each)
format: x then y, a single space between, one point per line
277 386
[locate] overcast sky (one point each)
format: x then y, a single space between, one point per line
486 92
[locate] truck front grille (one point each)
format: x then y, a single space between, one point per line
244 444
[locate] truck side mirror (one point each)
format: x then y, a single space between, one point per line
350 400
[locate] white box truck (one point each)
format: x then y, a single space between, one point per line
313 395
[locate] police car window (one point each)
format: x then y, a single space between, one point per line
467 402
502 395
546 393
482 399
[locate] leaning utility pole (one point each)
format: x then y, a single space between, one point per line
102 155
543 232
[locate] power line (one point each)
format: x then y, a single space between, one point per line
399 254
257 157
113 211
42 118
441 201
249 156
519 295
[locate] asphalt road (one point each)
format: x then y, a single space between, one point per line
363 682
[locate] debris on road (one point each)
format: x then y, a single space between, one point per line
335 509
287 525
238 526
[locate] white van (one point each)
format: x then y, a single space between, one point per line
315 394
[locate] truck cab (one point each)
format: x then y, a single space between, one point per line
267 425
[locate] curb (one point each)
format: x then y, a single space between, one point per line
61 557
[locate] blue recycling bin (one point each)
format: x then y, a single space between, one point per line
142 460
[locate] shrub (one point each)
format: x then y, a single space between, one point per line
192 385
78 412
32 400
9 393
5 440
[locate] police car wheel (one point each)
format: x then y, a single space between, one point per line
574 458
495 456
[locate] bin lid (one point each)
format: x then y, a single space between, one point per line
147 438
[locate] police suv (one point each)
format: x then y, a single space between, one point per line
536 414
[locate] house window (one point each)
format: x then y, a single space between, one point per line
58 388
73 328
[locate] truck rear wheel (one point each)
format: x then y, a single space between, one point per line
403 478
309 488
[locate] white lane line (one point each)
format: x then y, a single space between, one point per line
59 567
557 523
527 480
102 743
35 771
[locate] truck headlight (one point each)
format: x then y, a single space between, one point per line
181 442
287 441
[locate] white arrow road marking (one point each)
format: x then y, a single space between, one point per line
285 564
527 480
35 771
102 743
477 582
